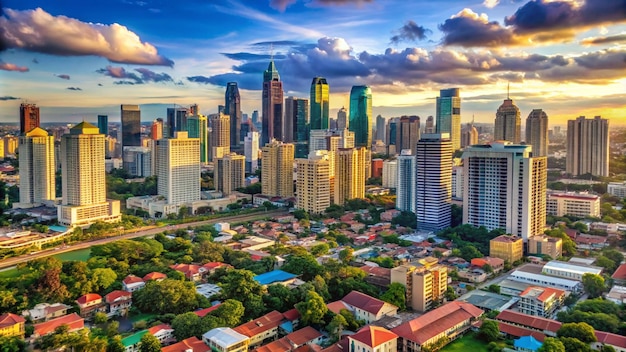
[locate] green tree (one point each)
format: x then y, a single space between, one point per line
100 318
593 284
395 295
581 331
313 309
12 344
115 345
102 278
336 326
551 344
494 288
614 255
167 296
573 344
450 294
320 249
149 343
607 348
305 265
230 312
187 325
489 331
279 298
345 255
405 219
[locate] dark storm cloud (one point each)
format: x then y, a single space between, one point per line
618 38
73 88
145 75
66 77
411 31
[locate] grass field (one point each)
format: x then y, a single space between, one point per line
467 343
10 273
80 255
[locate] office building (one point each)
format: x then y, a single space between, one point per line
178 169
582 205
313 182
251 151
219 141
425 283
296 120
509 248
29 117
505 188
176 121
408 133
342 118
103 124
569 270
319 104
508 123
381 128
390 173
272 100
138 161
469 135
537 132
156 130
588 146
230 173
277 169
197 127
433 192
406 183
377 168
391 133
361 115
449 115
430 125
232 108
83 179
545 245
349 174
131 125
37 168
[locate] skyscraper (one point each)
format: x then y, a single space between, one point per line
449 115
342 119
361 115
156 132
272 119
277 169
508 124
178 169
588 146
469 135
138 161
232 108
37 167
433 188
29 117
408 133
131 126
391 135
251 151
505 188
296 119
537 132
381 128
313 182
176 121
230 173
430 125
198 127
219 141
350 174
319 104
405 184
83 179
103 124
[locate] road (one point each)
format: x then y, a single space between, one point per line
10 262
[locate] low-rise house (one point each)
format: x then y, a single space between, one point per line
155 275
290 322
132 283
118 302
275 277
262 329
377 276
46 311
211 267
618 342
226 340
368 308
163 332
11 325
568 270
373 338
617 294
619 276
293 341
203 312
474 275
541 301
192 272
73 322
527 344
208 290
90 304
496 264
584 241
192 344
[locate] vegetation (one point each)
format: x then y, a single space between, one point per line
601 314
470 241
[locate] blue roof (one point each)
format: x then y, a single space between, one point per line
274 276
527 342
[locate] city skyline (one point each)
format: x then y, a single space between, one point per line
568 68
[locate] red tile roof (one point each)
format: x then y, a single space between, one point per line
73 321
611 339
154 276
546 292
132 279
304 335
519 331
365 302
336 306
10 319
334 348
116 295
376 271
88 298
202 312
192 343
188 269
531 321
435 322
620 273
261 324
281 345
214 265
155 329
373 336
292 314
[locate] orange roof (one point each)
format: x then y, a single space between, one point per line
611 339
73 321
261 324
281 345
544 293
531 321
292 314
202 312
304 335
519 331
117 294
364 302
620 273
155 329
10 319
132 279
336 306
192 343
214 265
88 298
154 276
373 336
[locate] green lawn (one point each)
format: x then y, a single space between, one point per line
468 343
80 255
140 317
10 273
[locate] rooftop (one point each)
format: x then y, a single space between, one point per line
620 273
74 321
531 321
572 268
261 324
506 239
90 297
541 293
488 300
192 344
273 277
224 336
538 278
527 343
365 302
373 336
134 338
10 319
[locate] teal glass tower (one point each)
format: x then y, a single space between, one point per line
361 116
319 104
197 127
103 124
449 115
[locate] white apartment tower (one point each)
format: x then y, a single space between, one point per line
537 132
251 151
390 173
505 188
588 146
313 182
178 168
405 184
36 158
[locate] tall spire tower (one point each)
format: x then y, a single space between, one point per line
272 118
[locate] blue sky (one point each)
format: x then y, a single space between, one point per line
75 61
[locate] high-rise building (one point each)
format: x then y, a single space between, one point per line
37 167
508 124
430 125
361 115
103 124
277 169
11 144
272 119
433 191
29 117
296 120
176 121
405 184
156 131
219 140
232 108
230 173
588 146
381 128
449 115
313 182
138 161
390 173
198 127
83 179
178 169
349 174
131 126
251 151
457 182
391 136
537 132
255 119
319 104
505 188
408 133
342 119
469 135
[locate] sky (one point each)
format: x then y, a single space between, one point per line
75 61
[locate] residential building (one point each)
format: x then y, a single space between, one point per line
361 115
446 322
313 183
373 338
118 302
72 321
582 205
619 276
295 341
537 132
219 140
178 169
408 133
226 340
342 119
90 304
381 128
617 189
545 245
197 127
277 169
449 115
132 283
569 270
192 344
103 124
132 343
83 179
541 301
272 101
46 311
469 135
29 117
496 264
262 329
230 173
368 308
319 104
588 146
37 168
505 188
131 126
406 184
232 108
350 174
433 182
457 182
430 125
508 123
156 130
391 135
546 281
251 151
390 173
163 332
509 248
11 325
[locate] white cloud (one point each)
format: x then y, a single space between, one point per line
491 3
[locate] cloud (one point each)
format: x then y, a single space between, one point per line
251 56
12 67
35 61
151 76
469 29
410 32
491 3
8 97
281 5
73 88
618 38
145 75
38 31
66 77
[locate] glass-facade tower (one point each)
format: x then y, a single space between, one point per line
233 109
449 115
319 104
103 124
361 115
197 127
272 119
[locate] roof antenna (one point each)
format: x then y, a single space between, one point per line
508 88
272 52
472 120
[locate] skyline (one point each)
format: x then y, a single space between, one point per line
571 64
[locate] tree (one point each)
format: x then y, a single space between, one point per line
336 326
167 296
116 345
305 265
187 325
551 344
614 255
12 344
320 249
230 312
606 263
313 309
450 294
102 278
345 255
574 345
581 331
593 284
100 318
489 331
149 343
607 348
395 295
405 219
494 288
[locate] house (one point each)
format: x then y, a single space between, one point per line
262 329
275 277
293 341
163 332
373 338
446 322
73 322
290 322
46 311
208 290
211 267
132 343
132 283
527 344
192 344
203 312
368 308
619 276
118 302
11 325
90 304
377 276
192 272
496 264
154 276
225 340
541 301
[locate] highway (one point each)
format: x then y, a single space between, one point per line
11 262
